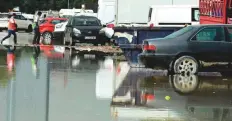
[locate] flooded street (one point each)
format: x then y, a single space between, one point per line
45 84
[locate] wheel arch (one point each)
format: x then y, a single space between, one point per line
46 31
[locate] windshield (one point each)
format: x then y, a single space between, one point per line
179 32
88 21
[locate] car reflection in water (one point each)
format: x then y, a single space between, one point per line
176 97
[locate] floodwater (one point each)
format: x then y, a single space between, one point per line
53 84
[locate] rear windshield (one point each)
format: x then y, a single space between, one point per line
57 21
88 21
179 32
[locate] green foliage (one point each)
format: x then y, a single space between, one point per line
29 6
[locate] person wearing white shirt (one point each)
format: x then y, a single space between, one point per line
37 22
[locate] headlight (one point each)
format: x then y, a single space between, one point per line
76 32
59 26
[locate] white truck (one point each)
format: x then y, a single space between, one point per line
132 12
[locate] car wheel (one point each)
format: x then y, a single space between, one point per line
29 28
47 38
185 65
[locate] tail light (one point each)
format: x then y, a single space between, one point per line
110 26
149 97
148 47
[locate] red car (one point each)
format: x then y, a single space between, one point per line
47 27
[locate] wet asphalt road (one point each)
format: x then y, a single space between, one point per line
22 37
54 86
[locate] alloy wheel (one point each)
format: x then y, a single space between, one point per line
47 37
186 65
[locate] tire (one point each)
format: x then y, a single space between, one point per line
185 65
47 38
29 28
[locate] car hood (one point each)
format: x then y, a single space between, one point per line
88 27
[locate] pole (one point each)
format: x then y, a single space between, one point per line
68 4
116 15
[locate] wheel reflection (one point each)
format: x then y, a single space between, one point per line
184 83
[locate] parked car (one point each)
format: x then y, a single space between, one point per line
22 22
183 50
84 29
47 27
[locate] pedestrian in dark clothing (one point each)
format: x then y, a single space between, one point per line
11 28
36 39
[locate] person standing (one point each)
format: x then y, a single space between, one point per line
11 29
83 8
36 38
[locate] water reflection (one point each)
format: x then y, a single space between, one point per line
34 60
83 86
184 84
181 97
10 59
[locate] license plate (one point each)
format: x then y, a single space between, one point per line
90 37
89 56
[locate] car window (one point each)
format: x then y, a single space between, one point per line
179 32
230 32
70 21
17 17
210 34
23 18
88 21
57 21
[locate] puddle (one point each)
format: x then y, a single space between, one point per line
57 84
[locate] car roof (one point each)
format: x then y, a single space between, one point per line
84 16
55 18
213 25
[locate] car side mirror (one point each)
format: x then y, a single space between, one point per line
104 25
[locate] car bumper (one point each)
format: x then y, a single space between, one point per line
155 61
59 35
83 39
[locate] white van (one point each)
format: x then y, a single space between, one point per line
173 15
71 12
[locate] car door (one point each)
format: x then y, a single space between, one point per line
206 44
18 21
227 45
24 22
